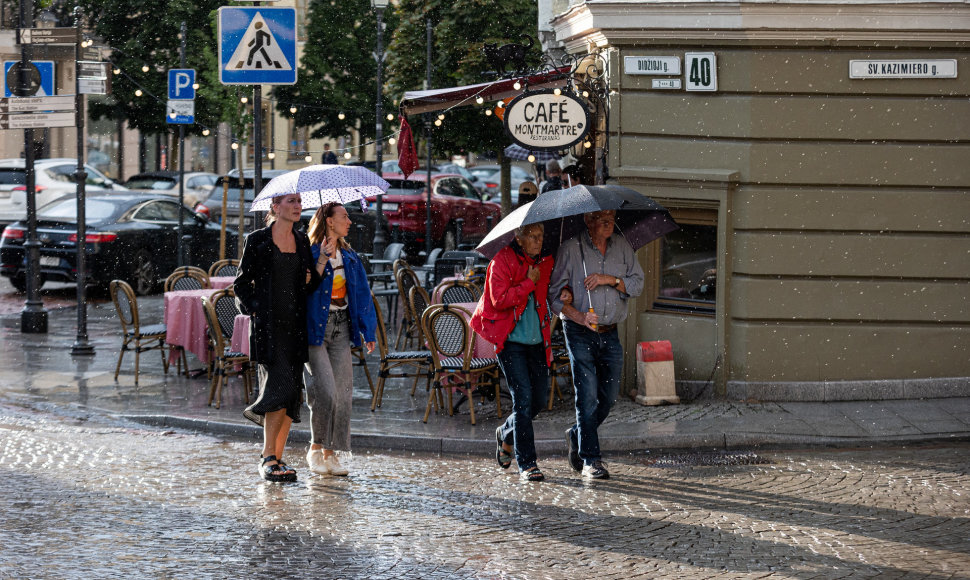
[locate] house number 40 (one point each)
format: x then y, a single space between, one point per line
701 68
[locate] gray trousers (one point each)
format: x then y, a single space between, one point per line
330 390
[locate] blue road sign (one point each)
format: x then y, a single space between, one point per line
46 69
180 81
257 46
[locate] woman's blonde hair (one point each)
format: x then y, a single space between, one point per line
317 230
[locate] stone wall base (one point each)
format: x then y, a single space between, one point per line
850 390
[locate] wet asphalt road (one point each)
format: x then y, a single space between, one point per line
88 496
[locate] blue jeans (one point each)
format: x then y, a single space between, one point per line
597 361
526 371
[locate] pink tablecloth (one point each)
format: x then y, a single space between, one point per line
240 334
185 321
481 348
219 282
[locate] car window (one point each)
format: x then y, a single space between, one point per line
405 187
520 173
63 173
157 211
149 183
94 210
448 187
13 177
468 189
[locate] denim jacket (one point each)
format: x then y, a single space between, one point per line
360 307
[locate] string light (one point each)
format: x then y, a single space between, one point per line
437 122
392 141
195 86
341 116
557 92
205 132
235 145
138 92
532 158
244 100
144 68
517 85
271 155
441 117
293 109
586 94
347 155
390 116
479 100
308 159
500 104
488 112
587 144
116 71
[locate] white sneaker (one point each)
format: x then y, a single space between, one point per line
317 463
333 464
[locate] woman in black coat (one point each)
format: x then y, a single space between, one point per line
276 274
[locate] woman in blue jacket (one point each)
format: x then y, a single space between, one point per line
338 312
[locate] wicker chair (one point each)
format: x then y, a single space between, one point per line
224 268
406 279
220 313
450 339
136 337
457 291
187 278
415 363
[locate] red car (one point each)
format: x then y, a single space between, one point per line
453 197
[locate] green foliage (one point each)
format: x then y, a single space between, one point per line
142 32
459 29
337 72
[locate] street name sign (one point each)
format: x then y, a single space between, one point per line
48 35
92 69
651 65
257 46
35 104
92 86
37 120
903 69
180 112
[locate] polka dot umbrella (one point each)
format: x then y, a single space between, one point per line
321 184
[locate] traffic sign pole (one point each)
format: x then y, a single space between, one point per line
33 318
181 257
81 345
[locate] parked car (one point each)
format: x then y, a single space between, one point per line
453 197
489 177
196 188
211 206
361 239
130 236
53 178
462 171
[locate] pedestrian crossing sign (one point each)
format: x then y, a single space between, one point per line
257 46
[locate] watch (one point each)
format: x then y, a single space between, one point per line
616 282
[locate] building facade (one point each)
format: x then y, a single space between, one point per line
817 157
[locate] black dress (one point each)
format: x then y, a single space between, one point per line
281 381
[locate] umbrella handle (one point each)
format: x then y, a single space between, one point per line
593 326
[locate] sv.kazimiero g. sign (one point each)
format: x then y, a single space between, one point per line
543 121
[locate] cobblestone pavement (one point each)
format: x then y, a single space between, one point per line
90 496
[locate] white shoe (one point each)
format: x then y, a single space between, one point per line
333 464
317 463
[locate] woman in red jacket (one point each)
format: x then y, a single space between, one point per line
513 315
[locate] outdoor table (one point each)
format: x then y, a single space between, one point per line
220 282
240 334
185 321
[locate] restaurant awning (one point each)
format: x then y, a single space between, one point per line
438 99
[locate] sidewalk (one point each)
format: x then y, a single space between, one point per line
38 371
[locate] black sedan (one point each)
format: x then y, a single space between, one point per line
133 237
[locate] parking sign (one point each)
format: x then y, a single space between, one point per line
181 83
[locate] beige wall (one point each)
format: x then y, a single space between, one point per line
845 246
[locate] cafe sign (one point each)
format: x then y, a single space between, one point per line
544 121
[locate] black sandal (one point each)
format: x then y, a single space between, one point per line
503 457
288 471
274 473
532 474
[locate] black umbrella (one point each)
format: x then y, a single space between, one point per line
638 218
519 153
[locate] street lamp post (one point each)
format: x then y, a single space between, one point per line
379 6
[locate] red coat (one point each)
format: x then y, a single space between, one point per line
506 293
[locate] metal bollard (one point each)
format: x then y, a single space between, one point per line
459 225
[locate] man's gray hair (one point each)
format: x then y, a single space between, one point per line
552 166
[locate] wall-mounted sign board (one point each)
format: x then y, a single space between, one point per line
544 121
651 65
903 69
665 84
701 69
